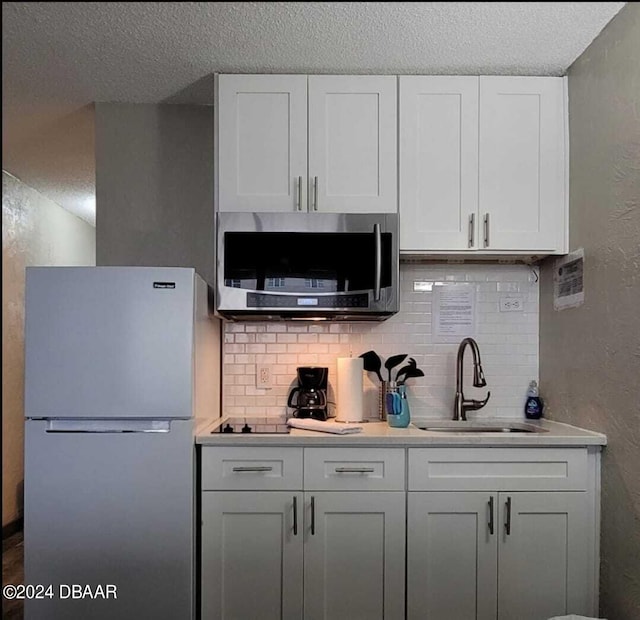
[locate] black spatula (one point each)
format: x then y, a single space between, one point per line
411 363
413 372
372 363
393 361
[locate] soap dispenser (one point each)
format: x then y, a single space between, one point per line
534 406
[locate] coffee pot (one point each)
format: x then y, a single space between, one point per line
309 398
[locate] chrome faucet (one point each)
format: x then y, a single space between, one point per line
461 406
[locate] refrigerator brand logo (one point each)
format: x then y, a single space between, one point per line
164 285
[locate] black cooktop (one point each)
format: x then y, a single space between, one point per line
254 426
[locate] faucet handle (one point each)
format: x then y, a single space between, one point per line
474 405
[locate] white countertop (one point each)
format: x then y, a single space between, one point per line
380 434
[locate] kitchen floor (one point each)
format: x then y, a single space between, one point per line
13 573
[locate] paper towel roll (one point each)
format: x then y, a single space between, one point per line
349 389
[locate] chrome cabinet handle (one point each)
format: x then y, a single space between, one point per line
378 264
299 203
315 193
295 515
313 515
485 222
507 522
252 468
354 470
472 221
491 515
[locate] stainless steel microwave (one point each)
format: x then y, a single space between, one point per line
327 266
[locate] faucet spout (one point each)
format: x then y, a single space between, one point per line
461 406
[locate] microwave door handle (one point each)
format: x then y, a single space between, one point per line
378 276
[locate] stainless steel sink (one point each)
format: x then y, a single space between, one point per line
486 426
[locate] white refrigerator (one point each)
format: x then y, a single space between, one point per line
119 363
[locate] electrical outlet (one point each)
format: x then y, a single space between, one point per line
263 377
512 303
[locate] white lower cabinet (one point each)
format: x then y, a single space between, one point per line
507 533
477 556
354 555
542 557
451 557
251 562
490 533
334 551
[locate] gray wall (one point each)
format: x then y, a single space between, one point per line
35 231
590 355
154 186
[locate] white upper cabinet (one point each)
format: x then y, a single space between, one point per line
438 162
352 143
262 139
307 143
483 165
522 163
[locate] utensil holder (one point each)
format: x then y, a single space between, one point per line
382 392
397 409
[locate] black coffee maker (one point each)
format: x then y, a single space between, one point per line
309 398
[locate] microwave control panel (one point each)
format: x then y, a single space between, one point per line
349 300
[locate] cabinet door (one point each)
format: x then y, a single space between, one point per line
262 142
352 144
543 555
354 555
251 555
452 555
438 163
522 163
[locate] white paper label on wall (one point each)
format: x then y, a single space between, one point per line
454 312
568 281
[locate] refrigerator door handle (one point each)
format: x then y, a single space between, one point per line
108 426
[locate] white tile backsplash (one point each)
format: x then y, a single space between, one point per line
508 345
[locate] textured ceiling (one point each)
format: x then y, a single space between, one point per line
59 57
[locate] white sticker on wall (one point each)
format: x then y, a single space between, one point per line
568 281
454 312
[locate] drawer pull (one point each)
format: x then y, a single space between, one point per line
491 515
315 193
253 468
295 515
299 203
486 230
354 470
313 515
507 522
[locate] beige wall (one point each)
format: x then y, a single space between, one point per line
35 231
590 355
154 186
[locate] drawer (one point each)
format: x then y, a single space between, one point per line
497 469
354 469
245 468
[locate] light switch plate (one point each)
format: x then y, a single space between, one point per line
512 303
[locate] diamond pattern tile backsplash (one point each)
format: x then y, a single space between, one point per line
508 343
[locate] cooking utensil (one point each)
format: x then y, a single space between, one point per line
413 372
372 363
411 364
393 361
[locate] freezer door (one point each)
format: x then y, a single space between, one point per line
106 508
113 341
